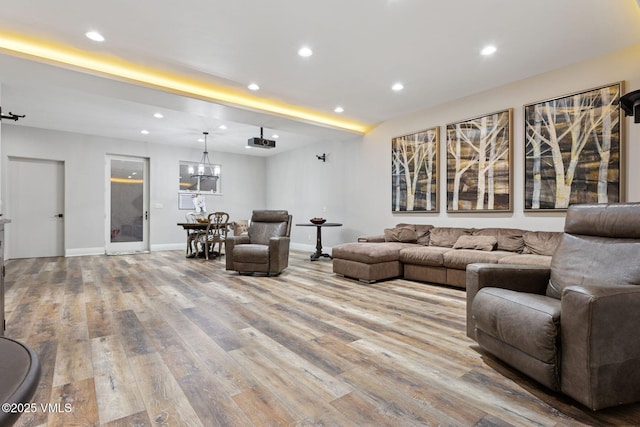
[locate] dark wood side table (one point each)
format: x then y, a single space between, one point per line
318 253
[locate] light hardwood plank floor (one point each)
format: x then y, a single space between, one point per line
160 340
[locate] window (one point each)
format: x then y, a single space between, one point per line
193 184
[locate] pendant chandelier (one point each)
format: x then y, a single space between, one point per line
205 169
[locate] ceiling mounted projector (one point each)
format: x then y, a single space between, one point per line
261 142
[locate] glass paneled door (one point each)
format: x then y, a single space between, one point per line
127 216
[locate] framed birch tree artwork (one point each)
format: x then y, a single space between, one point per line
414 176
479 157
572 149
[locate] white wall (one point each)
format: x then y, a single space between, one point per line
360 183
308 187
352 187
84 160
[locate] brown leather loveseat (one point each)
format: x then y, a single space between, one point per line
573 327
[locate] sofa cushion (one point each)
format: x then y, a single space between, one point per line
423 255
423 232
541 242
446 237
460 258
406 234
369 253
616 220
528 322
262 232
594 261
251 253
528 259
478 243
509 239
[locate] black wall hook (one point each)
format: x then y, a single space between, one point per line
323 157
11 116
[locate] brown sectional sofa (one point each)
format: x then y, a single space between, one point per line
440 254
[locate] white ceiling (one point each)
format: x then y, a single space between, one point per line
361 47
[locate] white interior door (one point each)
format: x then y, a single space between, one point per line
127 205
35 207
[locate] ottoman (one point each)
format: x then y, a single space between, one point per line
368 262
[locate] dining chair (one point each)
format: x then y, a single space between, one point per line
192 235
215 233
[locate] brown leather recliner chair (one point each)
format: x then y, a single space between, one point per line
266 247
574 327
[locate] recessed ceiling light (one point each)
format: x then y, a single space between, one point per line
158 115
253 86
144 132
305 52
95 36
200 140
339 109
223 127
397 87
275 136
488 50
247 147
173 82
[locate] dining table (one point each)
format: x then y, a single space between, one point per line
191 228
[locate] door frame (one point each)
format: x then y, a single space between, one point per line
126 247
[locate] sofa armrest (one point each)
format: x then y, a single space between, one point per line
278 253
522 278
600 347
229 243
378 238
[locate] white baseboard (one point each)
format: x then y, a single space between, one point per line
169 247
100 251
181 246
309 248
83 251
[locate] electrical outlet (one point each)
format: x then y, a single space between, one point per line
324 209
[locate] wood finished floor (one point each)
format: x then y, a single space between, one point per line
159 340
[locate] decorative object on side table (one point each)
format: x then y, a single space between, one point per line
318 220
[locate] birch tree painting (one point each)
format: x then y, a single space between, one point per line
479 163
414 165
572 149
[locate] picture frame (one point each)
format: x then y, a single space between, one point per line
479 163
415 172
573 149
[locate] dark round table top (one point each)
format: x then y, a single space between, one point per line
19 377
326 224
